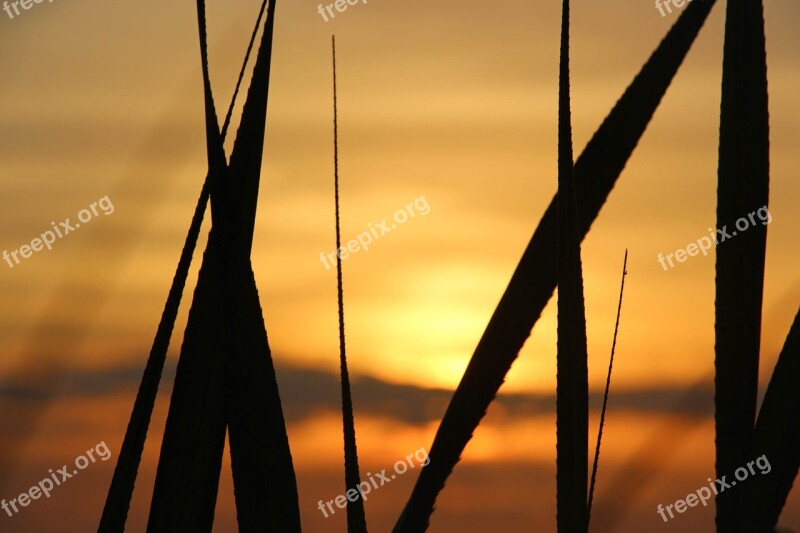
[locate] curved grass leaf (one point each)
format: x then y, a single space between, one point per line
356 516
534 280
743 188
572 388
777 437
225 373
605 395
247 154
189 465
265 484
117 505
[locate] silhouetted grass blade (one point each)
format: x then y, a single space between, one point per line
777 436
265 484
246 157
356 516
120 492
263 473
189 466
187 478
605 394
572 389
534 280
743 187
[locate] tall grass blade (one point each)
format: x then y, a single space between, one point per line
247 154
605 395
265 484
115 511
228 378
777 437
187 478
572 389
189 466
356 516
743 188
534 280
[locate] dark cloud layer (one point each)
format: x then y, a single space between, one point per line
305 392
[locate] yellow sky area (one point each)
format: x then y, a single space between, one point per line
463 113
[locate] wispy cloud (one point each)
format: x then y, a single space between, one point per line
306 392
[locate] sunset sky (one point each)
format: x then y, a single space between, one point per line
451 102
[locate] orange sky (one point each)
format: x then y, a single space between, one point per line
454 102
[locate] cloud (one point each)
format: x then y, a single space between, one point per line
306 392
